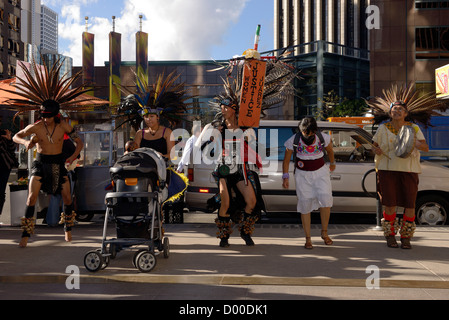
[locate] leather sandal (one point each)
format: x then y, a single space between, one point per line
327 241
308 244
391 241
405 243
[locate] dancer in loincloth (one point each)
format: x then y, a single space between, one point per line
238 162
48 94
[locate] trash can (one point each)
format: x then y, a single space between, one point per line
18 198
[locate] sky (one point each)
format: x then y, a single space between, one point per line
177 29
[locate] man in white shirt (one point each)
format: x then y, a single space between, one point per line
185 159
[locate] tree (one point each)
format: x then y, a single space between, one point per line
335 106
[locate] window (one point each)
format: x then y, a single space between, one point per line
425 87
14 22
97 148
432 43
431 4
349 146
11 70
438 138
274 150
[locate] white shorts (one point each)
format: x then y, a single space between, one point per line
313 189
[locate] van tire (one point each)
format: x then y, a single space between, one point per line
432 210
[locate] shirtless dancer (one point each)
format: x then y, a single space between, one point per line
48 171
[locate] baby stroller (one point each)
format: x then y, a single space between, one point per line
140 187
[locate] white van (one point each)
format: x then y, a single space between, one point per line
355 164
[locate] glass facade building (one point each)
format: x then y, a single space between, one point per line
329 43
49 30
328 67
324 67
337 21
199 76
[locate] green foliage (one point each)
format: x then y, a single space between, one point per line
335 106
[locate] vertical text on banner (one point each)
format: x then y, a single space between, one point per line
252 93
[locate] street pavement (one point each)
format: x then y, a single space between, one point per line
358 266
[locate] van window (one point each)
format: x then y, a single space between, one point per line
271 142
349 146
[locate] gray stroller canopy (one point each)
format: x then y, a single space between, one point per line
143 160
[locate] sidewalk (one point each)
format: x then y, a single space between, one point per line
277 268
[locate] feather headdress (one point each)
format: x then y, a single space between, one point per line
46 90
166 97
278 85
420 106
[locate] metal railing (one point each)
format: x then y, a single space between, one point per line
315 46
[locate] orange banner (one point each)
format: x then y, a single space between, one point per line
252 93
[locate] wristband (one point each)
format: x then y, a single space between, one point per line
333 163
285 176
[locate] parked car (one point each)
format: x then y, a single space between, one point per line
355 163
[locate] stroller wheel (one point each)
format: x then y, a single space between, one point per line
113 250
106 259
145 261
135 257
93 261
166 248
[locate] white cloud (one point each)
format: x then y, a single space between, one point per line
71 30
177 29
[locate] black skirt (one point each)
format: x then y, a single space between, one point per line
51 170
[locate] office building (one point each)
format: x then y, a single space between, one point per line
342 22
31 22
412 41
329 43
11 47
49 30
67 63
40 35
194 73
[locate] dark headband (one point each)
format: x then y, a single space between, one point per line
49 109
397 103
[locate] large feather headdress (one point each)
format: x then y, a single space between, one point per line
278 86
420 106
47 89
166 98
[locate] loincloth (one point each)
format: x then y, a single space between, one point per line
51 170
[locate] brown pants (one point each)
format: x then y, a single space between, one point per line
398 188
